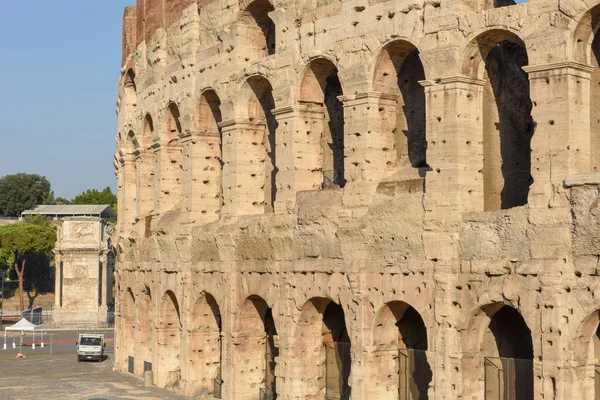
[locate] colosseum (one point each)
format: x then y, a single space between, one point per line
366 199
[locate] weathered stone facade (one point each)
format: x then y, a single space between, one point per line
84 269
380 198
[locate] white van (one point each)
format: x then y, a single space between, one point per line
90 346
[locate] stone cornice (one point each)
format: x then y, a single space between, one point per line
592 178
453 79
559 65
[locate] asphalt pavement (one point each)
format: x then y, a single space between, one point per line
52 372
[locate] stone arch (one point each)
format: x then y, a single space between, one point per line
319 90
498 56
397 72
144 330
586 50
205 346
256 349
171 160
169 342
399 340
130 88
257 96
320 335
255 29
497 339
585 357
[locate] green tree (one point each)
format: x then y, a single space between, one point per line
20 192
60 201
27 243
94 196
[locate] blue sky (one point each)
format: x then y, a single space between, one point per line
60 64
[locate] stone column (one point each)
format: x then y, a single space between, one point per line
156 155
561 148
104 278
244 161
129 188
201 177
57 280
561 142
120 196
299 155
145 184
454 132
171 174
369 148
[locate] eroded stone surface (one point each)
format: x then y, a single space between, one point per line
328 196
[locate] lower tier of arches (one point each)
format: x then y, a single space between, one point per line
312 335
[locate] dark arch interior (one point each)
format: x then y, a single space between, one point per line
337 347
515 347
259 11
508 126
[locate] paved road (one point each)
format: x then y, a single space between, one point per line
61 377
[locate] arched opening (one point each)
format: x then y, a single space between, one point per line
256 351
500 341
169 342
206 348
146 175
209 151
397 74
144 330
586 359
321 337
400 354
498 57
171 167
255 30
130 90
262 128
587 52
129 330
320 90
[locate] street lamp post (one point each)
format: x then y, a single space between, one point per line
2 301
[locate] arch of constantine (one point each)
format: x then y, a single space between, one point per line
369 199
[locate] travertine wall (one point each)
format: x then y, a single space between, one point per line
316 195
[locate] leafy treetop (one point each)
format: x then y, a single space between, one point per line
94 196
20 192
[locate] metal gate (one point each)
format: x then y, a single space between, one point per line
597 382
337 371
508 378
147 366
130 364
414 374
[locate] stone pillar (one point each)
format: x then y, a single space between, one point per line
57 280
244 159
202 177
454 131
171 175
130 190
299 155
104 279
369 148
145 185
120 196
156 155
561 142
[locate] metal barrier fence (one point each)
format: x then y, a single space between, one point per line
413 374
596 382
337 371
266 394
508 378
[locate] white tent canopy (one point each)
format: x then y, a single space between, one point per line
22 325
